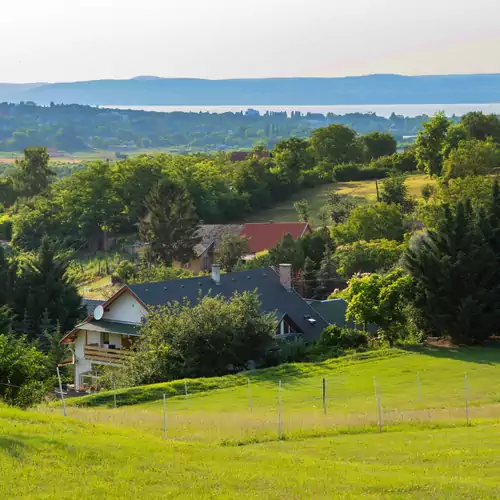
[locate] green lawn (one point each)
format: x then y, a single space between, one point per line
318 197
427 386
217 448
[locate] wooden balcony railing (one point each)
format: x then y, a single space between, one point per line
104 355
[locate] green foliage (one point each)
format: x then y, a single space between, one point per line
377 144
24 372
472 157
172 224
230 251
159 272
287 251
124 272
344 338
205 339
479 126
430 143
359 172
336 144
381 300
373 222
43 285
302 208
456 271
367 256
340 206
395 191
399 162
32 174
327 277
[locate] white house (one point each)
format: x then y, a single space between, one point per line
105 337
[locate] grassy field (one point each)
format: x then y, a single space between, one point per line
318 197
101 452
427 386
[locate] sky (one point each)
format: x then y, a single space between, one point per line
71 40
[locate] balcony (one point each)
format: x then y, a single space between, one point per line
105 355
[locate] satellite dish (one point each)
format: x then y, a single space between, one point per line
98 312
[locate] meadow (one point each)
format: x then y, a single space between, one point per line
416 387
318 197
102 452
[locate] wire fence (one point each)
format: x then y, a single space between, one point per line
280 409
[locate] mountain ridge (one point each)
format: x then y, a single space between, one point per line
346 90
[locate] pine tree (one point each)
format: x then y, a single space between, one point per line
172 224
457 274
327 277
45 291
307 280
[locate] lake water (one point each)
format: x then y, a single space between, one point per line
379 109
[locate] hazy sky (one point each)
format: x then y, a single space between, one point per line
68 40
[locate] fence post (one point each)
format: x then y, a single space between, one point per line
164 417
379 404
324 395
466 387
250 402
114 392
419 389
186 392
279 410
61 391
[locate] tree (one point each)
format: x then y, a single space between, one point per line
377 144
367 256
337 144
171 225
429 144
200 340
372 222
381 300
327 277
307 278
394 190
45 289
230 251
302 209
472 157
340 206
287 251
24 371
292 159
456 271
479 126
32 174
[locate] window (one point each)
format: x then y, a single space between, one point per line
105 338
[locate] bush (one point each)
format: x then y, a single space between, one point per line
358 172
344 338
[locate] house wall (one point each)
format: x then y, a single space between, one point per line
82 365
197 266
125 309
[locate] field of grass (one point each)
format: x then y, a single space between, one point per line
318 197
423 386
102 452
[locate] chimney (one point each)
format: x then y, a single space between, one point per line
286 276
216 274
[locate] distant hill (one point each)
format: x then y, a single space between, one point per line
372 89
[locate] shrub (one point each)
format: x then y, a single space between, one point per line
358 172
345 338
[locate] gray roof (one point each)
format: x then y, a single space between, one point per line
333 310
91 304
109 327
273 296
211 234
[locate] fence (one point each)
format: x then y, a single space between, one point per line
278 409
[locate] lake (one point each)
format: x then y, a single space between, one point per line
379 109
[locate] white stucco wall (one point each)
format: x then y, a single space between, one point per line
82 365
125 309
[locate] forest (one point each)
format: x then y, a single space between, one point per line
77 128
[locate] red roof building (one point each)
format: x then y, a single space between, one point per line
266 235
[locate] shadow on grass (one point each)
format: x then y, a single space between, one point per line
480 355
13 447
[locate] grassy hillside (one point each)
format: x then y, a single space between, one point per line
423 386
51 457
318 197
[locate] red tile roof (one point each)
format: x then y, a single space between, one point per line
266 235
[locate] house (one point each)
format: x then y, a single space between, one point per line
261 236
265 235
210 236
332 310
110 330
